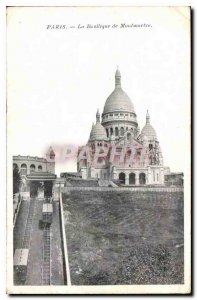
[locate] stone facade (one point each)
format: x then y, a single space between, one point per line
37 175
29 164
117 149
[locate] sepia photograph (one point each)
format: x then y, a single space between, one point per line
98 150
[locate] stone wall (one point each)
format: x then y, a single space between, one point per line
123 189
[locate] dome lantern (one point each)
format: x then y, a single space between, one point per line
97 116
147 117
117 78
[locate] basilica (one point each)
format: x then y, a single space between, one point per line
118 149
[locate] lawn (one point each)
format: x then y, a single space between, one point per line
123 237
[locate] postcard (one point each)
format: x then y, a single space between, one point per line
98 150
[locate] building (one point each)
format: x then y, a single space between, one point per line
30 164
37 175
174 179
117 149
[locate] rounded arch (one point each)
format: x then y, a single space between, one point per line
23 169
132 178
111 131
32 168
116 131
142 178
39 168
122 177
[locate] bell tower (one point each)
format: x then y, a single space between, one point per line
50 156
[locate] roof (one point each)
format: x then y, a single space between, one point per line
41 176
175 174
148 131
72 174
28 158
21 257
47 208
118 101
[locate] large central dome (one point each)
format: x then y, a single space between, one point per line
118 101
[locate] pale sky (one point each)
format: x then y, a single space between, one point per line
58 78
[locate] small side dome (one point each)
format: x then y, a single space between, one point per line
148 131
98 132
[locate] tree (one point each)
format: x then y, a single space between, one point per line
16 179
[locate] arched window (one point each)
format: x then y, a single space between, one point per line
121 131
142 178
23 169
32 168
40 168
15 166
111 131
116 131
83 162
132 178
122 178
107 132
129 136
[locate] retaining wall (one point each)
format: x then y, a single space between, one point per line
62 225
122 189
